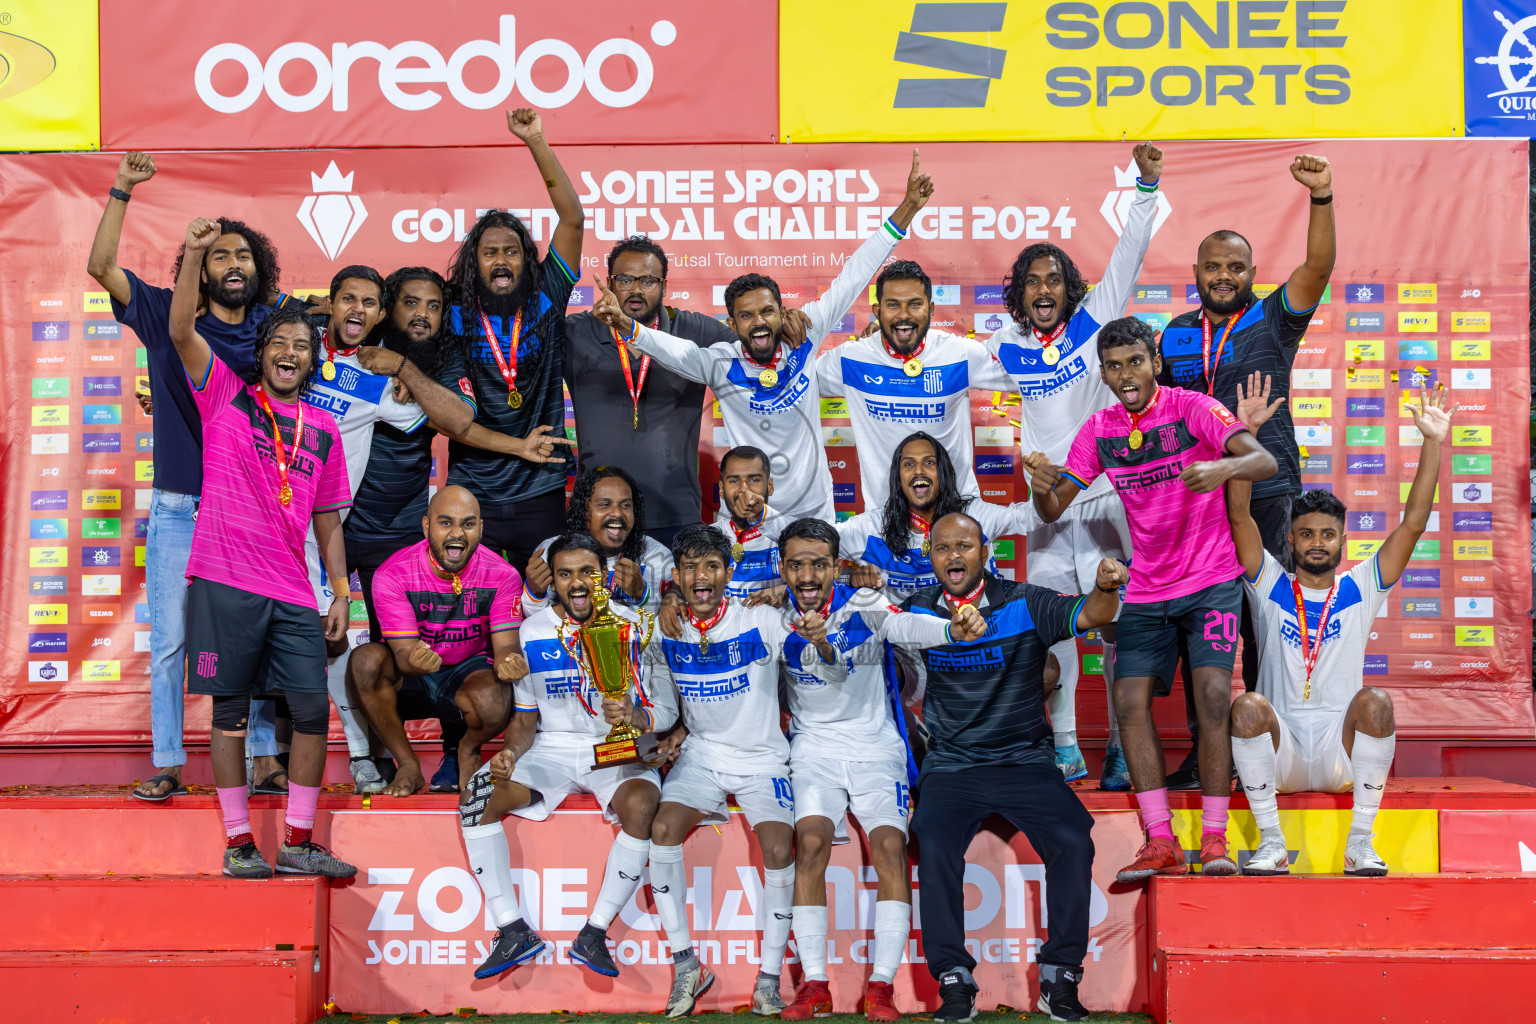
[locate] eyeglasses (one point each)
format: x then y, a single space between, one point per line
647 283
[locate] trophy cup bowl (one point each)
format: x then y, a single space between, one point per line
605 650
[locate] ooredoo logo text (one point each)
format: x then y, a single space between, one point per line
407 72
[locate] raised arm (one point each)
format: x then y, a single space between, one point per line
1246 460
1100 605
195 354
133 169
1253 409
1304 288
1108 301
1432 416
527 125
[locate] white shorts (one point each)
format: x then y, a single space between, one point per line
1064 556
1311 757
554 772
324 593
764 797
875 791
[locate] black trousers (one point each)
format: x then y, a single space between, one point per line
1273 516
1037 801
515 531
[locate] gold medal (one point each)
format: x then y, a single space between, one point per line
927 546
703 644
912 367
328 371
1306 693
1136 438
737 550
1050 355
964 607
285 494
515 399
768 378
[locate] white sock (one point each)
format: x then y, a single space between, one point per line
1256 765
1371 760
778 895
351 717
492 863
626 860
893 923
670 889
1062 703
1109 697
811 940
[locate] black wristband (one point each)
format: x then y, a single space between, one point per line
1322 200
1106 590
117 193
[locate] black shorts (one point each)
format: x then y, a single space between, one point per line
240 643
1148 637
432 694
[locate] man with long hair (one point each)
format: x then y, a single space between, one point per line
1049 352
607 504
507 310
239 276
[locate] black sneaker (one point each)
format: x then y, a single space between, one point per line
514 946
1187 774
957 994
1059 998
591 951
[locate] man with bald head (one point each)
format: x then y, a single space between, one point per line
990 751
449 613
1233 334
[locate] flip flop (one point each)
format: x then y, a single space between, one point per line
176 790
265 786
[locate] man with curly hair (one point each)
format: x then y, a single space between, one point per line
507 311
238 278
1050 352
608 504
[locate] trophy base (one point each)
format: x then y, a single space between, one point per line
635 751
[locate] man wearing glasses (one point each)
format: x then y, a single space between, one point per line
630 411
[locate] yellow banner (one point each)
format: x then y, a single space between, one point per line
49 96
882 70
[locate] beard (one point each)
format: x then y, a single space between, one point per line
442 556
919 332
239 298
506 305
572 615
426 355
1225 307
1319 565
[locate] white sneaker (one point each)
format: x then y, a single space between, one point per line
366 779
766 1000
1360 857
690 980
1271 858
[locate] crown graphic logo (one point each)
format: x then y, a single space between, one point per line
331 214
1117 203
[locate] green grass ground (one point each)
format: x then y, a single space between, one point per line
988 1017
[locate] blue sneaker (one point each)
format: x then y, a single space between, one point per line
446 778
1070 760
1116 777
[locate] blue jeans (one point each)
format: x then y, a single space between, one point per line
172 517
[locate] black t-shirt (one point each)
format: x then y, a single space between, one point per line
500 480
392 497
178 426
985 701
1264 339
663 454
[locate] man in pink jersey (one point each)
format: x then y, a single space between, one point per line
272 466
1163 448
449 611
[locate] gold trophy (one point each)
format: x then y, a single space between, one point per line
607 651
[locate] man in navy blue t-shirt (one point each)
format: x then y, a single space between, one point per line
240 278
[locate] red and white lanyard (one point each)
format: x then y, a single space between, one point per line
1205 345
1309 650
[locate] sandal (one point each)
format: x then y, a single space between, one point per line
268 787
177 789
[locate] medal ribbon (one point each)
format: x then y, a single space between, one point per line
714 619
630 383
458 584
1049 340
897 355
1137 417
1205 345
917 524
332 351
958 602
283 456
1309 650
752 531
507 367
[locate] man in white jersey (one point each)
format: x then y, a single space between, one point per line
893 539
547 755
849 752
768 392
1049 352
1313 724
607 504
746 485
726 670
906 377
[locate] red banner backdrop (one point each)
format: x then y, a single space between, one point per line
413 929
1438 295
305 76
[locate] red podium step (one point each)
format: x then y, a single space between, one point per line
1410 947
